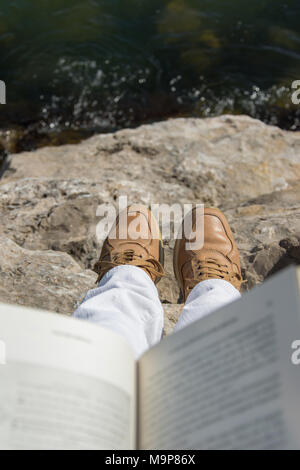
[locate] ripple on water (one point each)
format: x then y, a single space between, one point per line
98 65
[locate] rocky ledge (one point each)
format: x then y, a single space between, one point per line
49 199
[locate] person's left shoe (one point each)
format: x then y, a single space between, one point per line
137 243
218 258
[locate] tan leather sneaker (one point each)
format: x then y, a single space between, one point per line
134 239
217 259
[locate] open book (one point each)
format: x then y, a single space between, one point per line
229 381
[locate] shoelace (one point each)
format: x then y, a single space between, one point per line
151 265
210 269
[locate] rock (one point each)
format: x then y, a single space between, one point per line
44 279
9 139
172 313
49 197
210 160
52 214
267 231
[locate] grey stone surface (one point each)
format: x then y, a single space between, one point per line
50 280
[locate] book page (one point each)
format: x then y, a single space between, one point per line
64 384
227 381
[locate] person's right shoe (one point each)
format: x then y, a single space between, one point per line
144 250
217 259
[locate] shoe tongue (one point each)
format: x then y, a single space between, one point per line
135 246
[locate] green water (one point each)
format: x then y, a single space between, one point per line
100 65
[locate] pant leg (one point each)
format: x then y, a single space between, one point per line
205 298
127 302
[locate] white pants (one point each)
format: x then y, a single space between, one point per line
126 301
